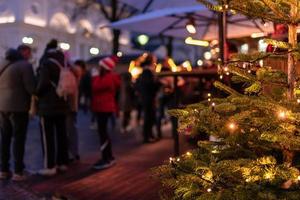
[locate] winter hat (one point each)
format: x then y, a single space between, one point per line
109 63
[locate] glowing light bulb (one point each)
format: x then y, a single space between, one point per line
209 94
209 190
232 126
213 104
298 100
247 180
221 77
188 153
298 178
249 71
191 28
209 99
227 73
178 159
226 69
282 115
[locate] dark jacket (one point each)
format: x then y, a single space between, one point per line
17 83
127 93
49 103
147 88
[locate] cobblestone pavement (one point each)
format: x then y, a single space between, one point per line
124 181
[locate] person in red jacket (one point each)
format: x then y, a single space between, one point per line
104 88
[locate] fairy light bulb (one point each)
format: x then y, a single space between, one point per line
249 71
209 190
227 73
226 69
282 115
213 104
188 153
221 77
232 126
298 178
298 101
178 159
209 94
209 99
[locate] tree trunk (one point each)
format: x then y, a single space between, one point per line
116 44
292 61
287 154
116 33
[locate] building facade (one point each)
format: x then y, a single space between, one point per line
35 22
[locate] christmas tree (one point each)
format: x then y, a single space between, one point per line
257 130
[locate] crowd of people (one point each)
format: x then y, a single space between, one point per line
55 92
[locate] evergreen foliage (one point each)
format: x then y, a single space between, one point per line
257 132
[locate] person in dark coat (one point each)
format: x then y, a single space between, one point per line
127 101
147 87
52 110
17 84
104 88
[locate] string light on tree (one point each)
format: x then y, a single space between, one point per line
281 114
298 101
188 153
232 126
209 190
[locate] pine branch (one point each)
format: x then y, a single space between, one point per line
226 88
274 7
241 73
279 44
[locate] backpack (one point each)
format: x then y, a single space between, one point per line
67 84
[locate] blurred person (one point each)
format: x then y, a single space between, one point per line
73 101
84 86
25 51
17 84
127 100
166 97
52 110
147 87
94 72
104 88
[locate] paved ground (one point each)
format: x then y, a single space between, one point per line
128 180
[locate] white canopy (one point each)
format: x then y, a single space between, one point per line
150 5
172 22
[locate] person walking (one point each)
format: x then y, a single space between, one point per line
127 100
52 110
147 87
17 84
104 88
